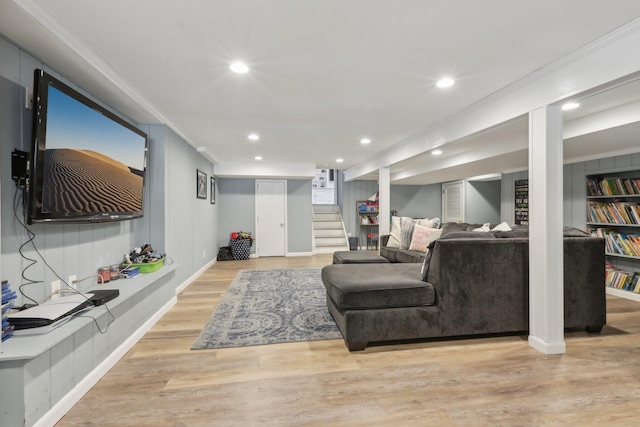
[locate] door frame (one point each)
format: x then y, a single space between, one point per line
445 187
257 210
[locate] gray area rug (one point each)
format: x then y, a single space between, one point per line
268 307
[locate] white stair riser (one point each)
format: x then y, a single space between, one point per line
330 241
329 233
327 225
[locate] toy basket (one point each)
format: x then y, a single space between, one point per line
147 267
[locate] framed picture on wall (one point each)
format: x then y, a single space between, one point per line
201 184
213 190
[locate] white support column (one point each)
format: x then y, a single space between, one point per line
546 302
384 189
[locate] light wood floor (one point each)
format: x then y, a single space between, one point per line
473 382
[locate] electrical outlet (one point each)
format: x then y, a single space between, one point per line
72 279
204 253
55 287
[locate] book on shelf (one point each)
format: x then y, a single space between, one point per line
613 186
613 213
625 280
8 300
618 242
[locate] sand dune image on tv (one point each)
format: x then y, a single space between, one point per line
84 181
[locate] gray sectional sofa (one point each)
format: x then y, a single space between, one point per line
473 283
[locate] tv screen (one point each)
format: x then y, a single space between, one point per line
87 164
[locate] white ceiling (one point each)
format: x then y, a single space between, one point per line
324 74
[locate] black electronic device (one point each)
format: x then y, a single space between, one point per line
102 296
87 165
19 166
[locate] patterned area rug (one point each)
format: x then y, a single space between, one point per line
269 307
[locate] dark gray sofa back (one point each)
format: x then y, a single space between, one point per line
482 285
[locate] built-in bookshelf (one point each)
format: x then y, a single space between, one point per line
368 223
613 213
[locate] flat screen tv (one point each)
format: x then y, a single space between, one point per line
87 164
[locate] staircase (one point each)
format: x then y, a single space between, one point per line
328 230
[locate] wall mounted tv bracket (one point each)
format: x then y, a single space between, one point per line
20 166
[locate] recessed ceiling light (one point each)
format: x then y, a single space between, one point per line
254 137
436 152
239 67
570 106
339 160
258 157
445 82
365 141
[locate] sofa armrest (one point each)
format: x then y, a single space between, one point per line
481 285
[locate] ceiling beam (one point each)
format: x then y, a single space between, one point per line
607 59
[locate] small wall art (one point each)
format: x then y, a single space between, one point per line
201 184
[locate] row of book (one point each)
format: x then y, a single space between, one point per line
613 213
617 242
623 280
613 186
8 299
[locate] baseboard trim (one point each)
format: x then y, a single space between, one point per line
546 347
292 254
194 276
66 403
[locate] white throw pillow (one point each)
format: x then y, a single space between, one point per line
394 235
425 222
485 227
422 236
503 226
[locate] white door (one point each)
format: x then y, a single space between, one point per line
271 215
453 202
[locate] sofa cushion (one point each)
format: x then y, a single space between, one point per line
449 227
372 286
422 236
469 235
394 235
409 256
389 253
573 232
357 257
512 234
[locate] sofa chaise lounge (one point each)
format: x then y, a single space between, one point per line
474 283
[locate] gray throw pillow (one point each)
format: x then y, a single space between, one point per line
573 232
450 227
406 233
512 234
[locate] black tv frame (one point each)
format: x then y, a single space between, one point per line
34 188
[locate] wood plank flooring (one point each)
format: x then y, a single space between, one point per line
471 382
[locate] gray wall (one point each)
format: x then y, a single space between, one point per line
174 221
238 207
574 186
575 193
482 202
416 201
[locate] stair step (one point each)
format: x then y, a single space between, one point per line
327 225
325 208
329 232
326 217
323 241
